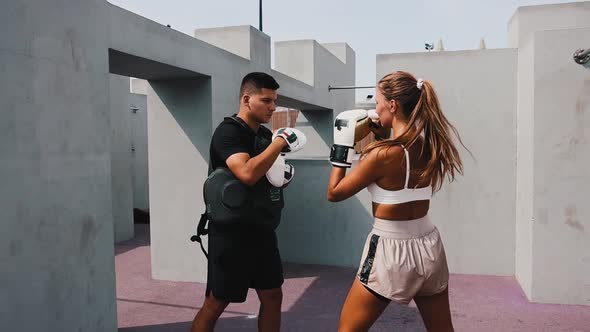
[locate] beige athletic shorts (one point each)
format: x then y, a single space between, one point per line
404 259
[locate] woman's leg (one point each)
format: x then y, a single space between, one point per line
435 311
361 309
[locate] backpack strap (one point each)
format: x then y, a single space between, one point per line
239 121
201 230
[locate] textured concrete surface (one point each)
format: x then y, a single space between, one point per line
313 296
561 219
316 231
552 96
56 243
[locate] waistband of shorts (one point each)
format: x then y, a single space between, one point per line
403 229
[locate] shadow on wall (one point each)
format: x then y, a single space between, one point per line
189 102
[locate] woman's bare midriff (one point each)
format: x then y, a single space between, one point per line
403 211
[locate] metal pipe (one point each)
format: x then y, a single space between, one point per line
330 88
582 56
260 15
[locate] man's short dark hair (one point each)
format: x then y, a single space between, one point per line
254 82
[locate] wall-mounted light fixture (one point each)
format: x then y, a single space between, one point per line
582 56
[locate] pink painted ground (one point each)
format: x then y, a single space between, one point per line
313 296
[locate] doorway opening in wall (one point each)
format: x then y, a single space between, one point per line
138 149
129 162
164 178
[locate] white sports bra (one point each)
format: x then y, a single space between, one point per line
383 196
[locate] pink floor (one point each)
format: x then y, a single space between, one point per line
313 296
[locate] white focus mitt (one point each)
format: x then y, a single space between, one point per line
280 174
295 138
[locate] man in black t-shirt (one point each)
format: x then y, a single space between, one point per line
245 254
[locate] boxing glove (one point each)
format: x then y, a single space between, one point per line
345 126
280 174
295 138
372 114
375 126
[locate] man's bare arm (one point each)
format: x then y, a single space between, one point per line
250 170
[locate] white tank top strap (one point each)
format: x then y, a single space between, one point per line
407 167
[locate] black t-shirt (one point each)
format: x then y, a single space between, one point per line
231 137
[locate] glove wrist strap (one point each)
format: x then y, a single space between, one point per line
341 155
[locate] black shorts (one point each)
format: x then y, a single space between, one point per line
239 260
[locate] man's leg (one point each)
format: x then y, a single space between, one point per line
207 317
224 280
267 279
269 316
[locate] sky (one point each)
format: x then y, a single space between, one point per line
369 27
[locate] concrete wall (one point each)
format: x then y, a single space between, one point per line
523 27
244 41
320 65
524 163
121 158
293 57
232 39
138 86
56 244
335 233
139 142
561 215
314 230
329 72
477 92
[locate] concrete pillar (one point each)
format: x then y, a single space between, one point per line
552 241
296 59
56 243
179 129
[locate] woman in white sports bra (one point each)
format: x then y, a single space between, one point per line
404 258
